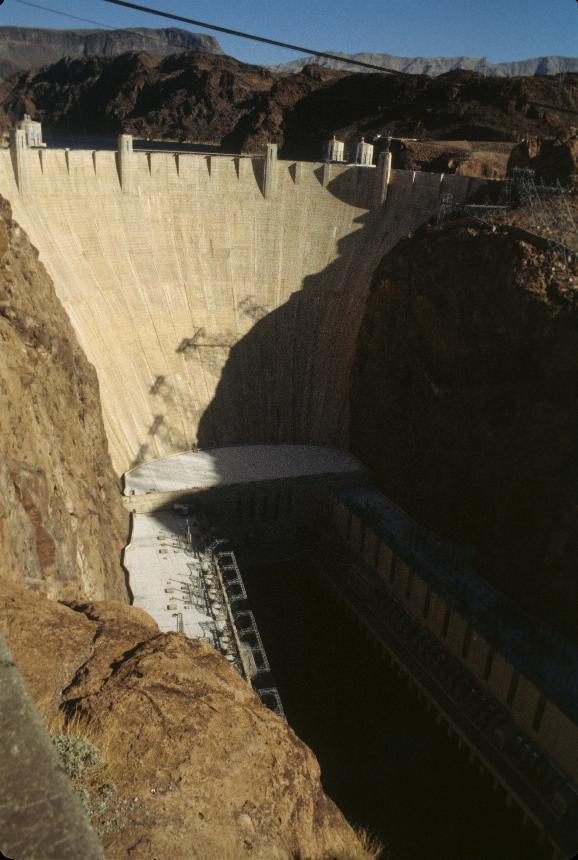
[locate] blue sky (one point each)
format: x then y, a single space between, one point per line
497 29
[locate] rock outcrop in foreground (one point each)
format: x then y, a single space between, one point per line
464 403
62 524
200 769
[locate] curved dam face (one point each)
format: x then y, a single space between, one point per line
219 304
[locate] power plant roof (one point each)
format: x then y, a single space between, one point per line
238 464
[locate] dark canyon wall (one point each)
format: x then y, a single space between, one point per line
464 403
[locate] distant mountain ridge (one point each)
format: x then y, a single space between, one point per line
439 65
24 48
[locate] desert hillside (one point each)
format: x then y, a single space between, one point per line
29 47
215 99
548 65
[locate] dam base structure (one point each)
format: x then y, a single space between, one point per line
504 686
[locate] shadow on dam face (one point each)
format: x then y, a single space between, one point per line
173 370
287 379
383 758
214 314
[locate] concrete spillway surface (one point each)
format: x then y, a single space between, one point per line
238 465
166 577
197 590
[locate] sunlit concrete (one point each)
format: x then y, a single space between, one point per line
242 464
164 571
213 314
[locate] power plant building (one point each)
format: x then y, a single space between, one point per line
333 150
364 153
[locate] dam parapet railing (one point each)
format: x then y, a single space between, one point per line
42 813
131 170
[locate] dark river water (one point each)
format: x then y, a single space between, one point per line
383 758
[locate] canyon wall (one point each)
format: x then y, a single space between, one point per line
467 370
62 524
213 314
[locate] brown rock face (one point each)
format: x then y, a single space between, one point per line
464 402
202 769
465 158
62 525
190 96
208 98
550 158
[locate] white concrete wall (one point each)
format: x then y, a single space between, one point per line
189 251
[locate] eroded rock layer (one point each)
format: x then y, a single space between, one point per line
62 525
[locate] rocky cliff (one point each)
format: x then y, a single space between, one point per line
464 403
551 159
30 47
62 525
216 99
181 758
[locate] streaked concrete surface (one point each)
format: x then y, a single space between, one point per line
189 271
190 583
241 464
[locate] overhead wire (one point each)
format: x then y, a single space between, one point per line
229 31
160 13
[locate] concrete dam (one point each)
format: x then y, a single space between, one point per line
219 299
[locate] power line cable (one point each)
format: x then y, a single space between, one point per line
149 10
171 16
